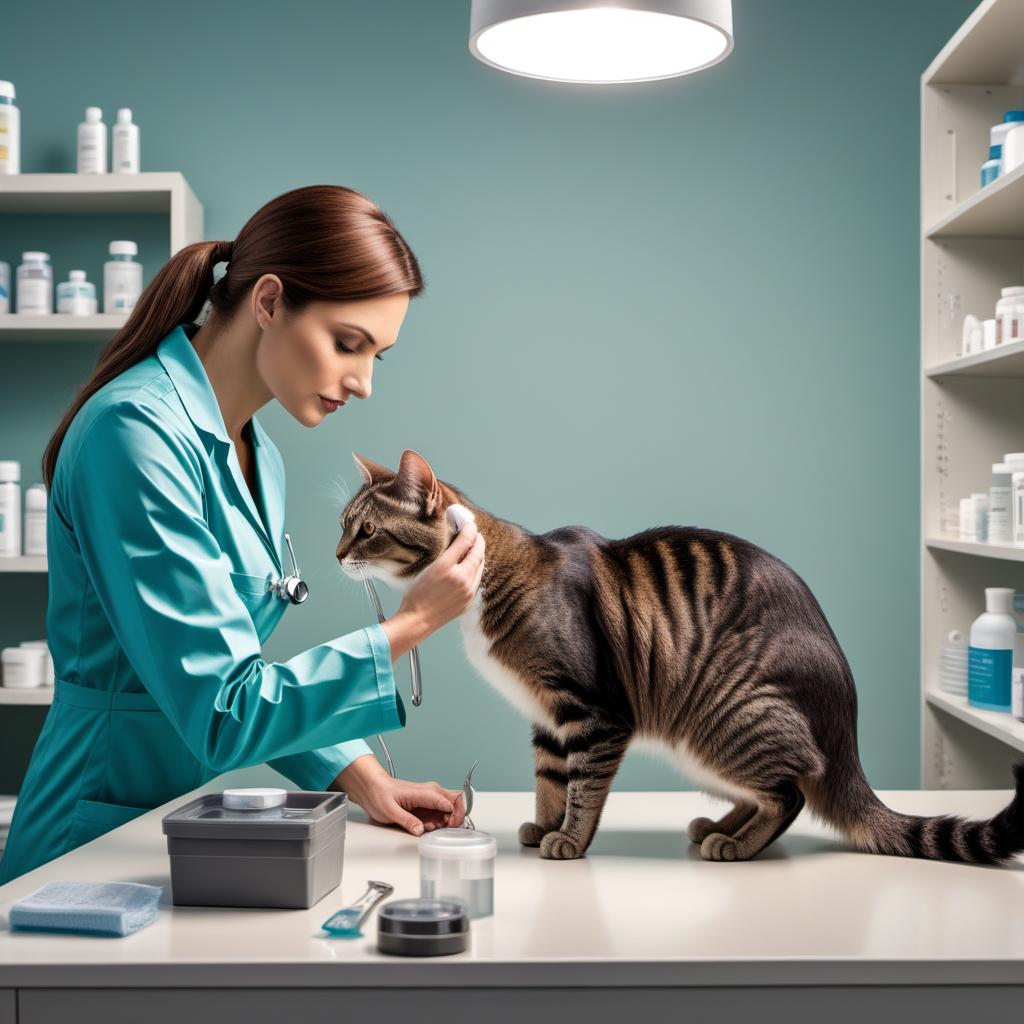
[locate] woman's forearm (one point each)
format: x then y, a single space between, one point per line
405 629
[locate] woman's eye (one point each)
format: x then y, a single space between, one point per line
342 347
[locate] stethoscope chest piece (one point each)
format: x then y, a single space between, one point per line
292 587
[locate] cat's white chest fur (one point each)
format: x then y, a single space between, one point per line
503 679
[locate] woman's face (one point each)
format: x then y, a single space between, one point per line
324 353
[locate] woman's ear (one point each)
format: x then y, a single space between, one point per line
266 299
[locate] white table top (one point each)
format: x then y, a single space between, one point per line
641 908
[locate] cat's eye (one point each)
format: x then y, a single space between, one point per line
368 527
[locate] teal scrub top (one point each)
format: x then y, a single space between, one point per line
159 565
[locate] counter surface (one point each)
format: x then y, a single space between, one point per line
642 908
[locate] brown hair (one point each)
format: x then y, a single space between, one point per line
325 242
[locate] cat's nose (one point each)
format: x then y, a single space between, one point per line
343 550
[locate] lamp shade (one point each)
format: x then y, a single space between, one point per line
601 41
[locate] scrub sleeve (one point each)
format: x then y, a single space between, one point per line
166 587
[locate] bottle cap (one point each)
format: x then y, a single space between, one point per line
1001 467
76 275
124 115
93 114
10 472
7 88
123 248
1013 115
35 498
999 599
32 256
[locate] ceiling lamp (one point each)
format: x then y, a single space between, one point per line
594 41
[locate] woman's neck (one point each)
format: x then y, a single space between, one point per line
228 354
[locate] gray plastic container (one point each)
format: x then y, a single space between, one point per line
289 856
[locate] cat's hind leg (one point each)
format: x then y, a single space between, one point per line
771 818
594 751
700 828
551 775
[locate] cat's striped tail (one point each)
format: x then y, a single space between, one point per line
874 828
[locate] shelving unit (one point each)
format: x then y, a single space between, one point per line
161 192
972 407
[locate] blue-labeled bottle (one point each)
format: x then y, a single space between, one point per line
990 654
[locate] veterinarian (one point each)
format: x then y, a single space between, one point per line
165 535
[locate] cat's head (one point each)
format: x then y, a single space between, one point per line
395 525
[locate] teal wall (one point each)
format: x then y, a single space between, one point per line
690 301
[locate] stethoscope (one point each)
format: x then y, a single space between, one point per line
292 587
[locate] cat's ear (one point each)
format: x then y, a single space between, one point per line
370 470
417 481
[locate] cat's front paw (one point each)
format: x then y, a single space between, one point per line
530 834
558 846
718 847
699 829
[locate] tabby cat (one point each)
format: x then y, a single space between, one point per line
692 640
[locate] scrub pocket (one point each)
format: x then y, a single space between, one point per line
265 608
93 818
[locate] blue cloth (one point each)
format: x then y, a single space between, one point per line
90 908
158 605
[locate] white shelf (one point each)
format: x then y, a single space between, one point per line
24 563
995 211
28 695
999 724
986 49
150 192
1002 361
60 327
1006 552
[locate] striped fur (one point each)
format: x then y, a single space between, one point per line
694 642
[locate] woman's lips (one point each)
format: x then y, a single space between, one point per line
328 404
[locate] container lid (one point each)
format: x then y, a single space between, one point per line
999 599
423 915
6 88
1015 289
122 247
35 497
21 655
458 844
1001 467
124 115
34 256
10 471
93 114
1013 115
303 815
7 809
1013 457
254 799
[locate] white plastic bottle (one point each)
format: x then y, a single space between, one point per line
5 287
35 283
10 131
10 509
122 278
76 295
92 143
35 520
1000 505
125 158
990 654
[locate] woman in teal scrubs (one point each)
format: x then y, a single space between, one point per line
165 537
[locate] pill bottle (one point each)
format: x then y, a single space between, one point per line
35 520
23 667
1000 501
125 156
5 287
10 509
1008 315
43 646
92 143
35 283
10 131
76 295
459 863
122 278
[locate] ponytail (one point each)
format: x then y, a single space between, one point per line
325 242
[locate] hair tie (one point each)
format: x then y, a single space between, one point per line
222 252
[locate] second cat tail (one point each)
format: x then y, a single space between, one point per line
845 800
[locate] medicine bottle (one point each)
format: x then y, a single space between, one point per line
122 278
76 295
92 143
10 509
125 156
35 283
1009 311
10 131
35 520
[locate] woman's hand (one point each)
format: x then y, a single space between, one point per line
417 807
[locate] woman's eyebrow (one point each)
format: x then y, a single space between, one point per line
362 330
